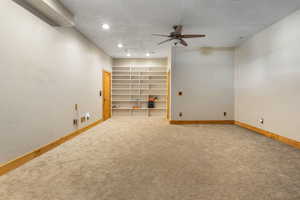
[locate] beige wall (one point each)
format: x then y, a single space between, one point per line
205 76
268 78
44 71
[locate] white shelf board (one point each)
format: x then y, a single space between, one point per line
129 100
140 75
154 89
126 71
149 71
132 83
139 79
141 66
139 95
139 84
139 108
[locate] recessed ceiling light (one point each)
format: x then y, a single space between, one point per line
105 26
147 54
120 45
128 54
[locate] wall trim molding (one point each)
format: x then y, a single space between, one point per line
13 164
269 134
179 122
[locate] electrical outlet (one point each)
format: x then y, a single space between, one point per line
75 122
261 120
180 114
87 116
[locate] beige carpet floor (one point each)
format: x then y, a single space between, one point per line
124 159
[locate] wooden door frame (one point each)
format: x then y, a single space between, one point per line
103 83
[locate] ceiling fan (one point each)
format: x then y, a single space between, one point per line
177 35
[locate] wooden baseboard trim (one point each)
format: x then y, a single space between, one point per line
271 135
11 165
202 122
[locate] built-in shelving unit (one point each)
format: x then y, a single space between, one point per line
132 86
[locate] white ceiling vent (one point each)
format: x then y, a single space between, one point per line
51 11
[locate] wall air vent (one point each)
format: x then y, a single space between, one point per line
51 11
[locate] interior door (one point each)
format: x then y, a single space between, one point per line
106 95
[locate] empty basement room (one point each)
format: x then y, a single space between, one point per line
149 100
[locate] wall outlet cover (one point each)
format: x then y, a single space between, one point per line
75 122
261 120
87 116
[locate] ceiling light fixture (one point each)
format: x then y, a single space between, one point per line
105 26
120 45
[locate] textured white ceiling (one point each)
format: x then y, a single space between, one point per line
133 21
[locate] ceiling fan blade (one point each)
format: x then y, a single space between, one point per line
192 36
178 28
160 35
183 42
165 41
